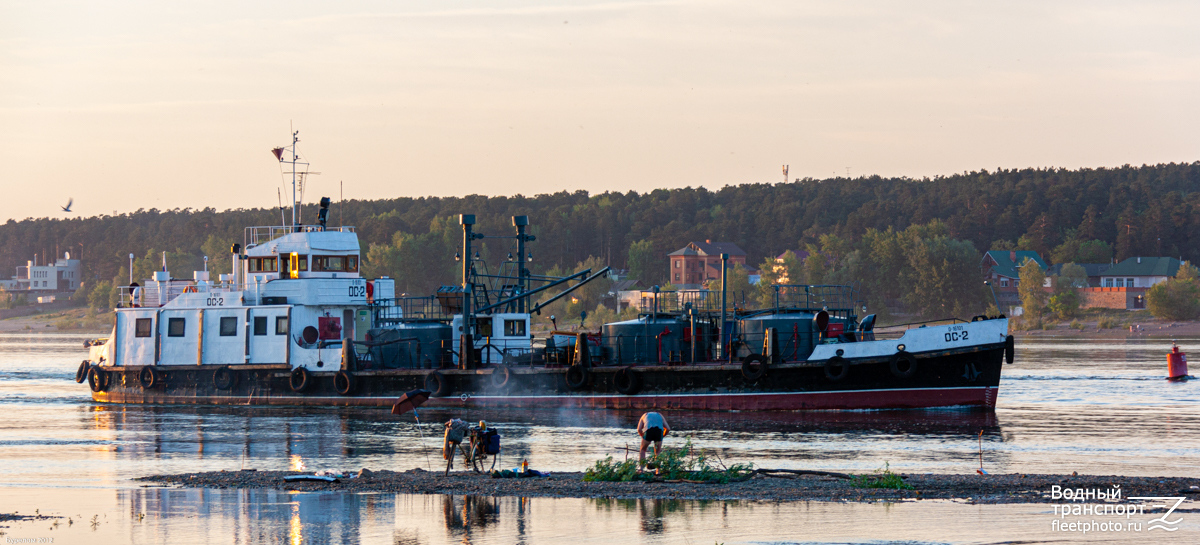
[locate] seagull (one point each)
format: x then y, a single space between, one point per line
70 201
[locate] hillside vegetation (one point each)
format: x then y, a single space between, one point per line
913 243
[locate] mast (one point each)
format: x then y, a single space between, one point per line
297 176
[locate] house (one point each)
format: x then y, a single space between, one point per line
1003 270
61 276
699 262
1140 272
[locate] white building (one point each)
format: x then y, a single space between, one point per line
62 275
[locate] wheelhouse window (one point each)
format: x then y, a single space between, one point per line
262 264
335 263
228 326
281 325
483 326
514 328
176 327
143 327
260 325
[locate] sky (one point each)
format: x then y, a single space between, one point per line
136 105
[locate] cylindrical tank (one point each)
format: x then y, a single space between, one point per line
1176 363
411 345
794 337
648 340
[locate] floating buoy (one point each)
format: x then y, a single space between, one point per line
1176 364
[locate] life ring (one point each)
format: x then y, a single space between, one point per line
149 377
751 371
343 382
224 378
82 373
500 376
836 368
1009 349
903 364
577 377
627 381
97 379
298 379
436 382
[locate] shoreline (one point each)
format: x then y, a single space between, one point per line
971 488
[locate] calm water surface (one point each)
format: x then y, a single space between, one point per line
1091 406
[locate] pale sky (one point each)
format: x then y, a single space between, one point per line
128 105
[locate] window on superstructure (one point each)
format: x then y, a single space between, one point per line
335 263
281 325
263 264
176 327
143 327
483 326
260 325
514 328
228 326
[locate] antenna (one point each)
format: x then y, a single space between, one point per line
297 175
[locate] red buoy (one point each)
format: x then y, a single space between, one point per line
1176 363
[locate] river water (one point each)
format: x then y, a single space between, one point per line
1092 406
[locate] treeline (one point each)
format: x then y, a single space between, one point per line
1066 215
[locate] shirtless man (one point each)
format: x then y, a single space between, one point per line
652 427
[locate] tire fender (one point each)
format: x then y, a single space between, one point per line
903 365
577 377
225 379
298 379
149 377
837 368
97 379
627 381
500 376
343 382
750 370
438 384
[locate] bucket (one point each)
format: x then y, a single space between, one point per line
1176 363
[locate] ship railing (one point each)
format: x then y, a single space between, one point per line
263 234
155 294
505 351
401 309
802 296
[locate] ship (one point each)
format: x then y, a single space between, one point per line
296 323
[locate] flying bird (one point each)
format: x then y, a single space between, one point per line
70 201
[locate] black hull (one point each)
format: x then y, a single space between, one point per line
968 376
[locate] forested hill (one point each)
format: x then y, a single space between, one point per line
1148 210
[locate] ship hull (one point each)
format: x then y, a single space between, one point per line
966 377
